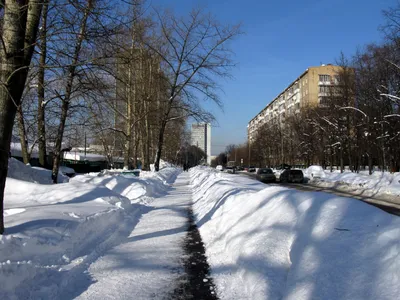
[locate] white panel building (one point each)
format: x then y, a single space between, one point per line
201 137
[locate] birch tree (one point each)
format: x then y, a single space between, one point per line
20 25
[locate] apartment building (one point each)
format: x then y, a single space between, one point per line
201 137
310 89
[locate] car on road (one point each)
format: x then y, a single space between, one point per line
291 175
219 168
265 175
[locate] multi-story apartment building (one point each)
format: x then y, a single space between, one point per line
310 89
201 137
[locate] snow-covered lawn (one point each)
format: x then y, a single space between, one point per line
272 242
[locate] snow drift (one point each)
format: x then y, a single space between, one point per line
271 242
54 232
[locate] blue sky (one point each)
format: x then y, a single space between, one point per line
281 40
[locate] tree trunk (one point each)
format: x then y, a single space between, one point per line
40 91
341 159
68 92
60 134
160 146
18 34
128 136
22 136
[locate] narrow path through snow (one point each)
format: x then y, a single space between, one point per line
147 264
150 263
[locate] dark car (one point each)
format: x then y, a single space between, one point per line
266 175
290 175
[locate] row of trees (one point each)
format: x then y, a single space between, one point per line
124 76
357 124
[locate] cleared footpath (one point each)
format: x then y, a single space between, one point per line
152 263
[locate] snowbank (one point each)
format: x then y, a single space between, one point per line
377 183
19 170
151 184
271 242
54 232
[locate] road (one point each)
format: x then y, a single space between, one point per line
377 201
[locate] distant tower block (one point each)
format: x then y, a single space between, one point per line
201 137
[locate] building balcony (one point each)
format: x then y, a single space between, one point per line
324 83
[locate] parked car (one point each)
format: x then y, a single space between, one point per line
283 167
251 169
291 175
219 168
230 170
314 172
265 175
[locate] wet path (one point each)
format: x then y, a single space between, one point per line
196 283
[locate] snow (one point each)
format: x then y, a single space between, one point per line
272 242
314 172
81 156
378 183
66 170
19 170
55 232
115 236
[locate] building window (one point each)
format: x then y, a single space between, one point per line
306 92
324 78
324 89
297 106
338 79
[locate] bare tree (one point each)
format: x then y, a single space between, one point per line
194 52
20 25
